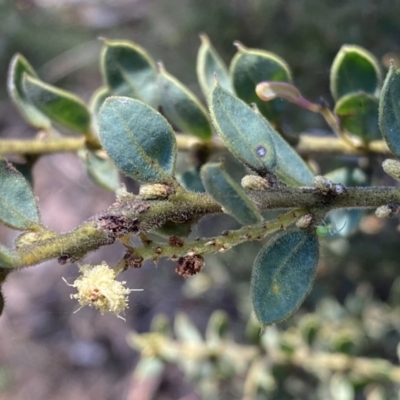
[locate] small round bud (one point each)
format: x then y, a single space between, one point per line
388 210
323 184
123 195
392 168
328 187
253 182
305 221
156 191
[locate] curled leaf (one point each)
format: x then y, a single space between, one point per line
209 64
251 66
58 105
19 66
128 70
354 69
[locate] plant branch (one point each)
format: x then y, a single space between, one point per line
133 215
225 241
307 145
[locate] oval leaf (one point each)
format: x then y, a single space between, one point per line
18 67
60 106
358 113
354 69
283 274
138 139
128 70
290 167
389 110
250 67
102 171
182 107
209 64
246 134
18 208
229 194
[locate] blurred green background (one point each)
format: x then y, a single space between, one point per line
46 351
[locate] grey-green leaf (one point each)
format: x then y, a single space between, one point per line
182 107
8 259
18 67
290 167
354 69
209 64
358 113
389 110
138 139
229 194
283 275
58 105
250 67
102 171
18 207
95 103
246 134
128 70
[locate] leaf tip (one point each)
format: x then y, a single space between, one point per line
239 45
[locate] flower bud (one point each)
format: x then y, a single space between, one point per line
156 191
270 90
253 182
392 168
305 221
388 210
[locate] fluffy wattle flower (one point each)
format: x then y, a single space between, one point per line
98 288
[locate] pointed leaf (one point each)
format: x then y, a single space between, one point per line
210 63
290 167
358 114
250 67
229 194
102 171
128 70
138 139
245 133
60 106
354 69
182 107
389 110
18 67
283 274
18 208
